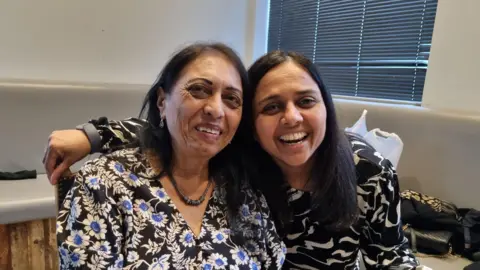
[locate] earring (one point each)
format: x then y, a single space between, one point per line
162 124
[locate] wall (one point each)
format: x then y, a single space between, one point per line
89 41
452 78
117 41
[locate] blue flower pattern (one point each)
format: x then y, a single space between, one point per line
115 213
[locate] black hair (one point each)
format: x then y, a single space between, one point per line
333 175
225 168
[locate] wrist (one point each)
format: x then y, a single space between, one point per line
93 136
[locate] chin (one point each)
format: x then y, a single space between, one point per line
209 151
295 161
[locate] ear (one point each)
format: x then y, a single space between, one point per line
161 101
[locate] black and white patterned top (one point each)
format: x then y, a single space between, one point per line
118 216
377 235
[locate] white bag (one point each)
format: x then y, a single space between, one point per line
388 144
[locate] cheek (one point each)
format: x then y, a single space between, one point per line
178 114
319 120
264 130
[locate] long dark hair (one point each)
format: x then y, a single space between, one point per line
333 176
227 167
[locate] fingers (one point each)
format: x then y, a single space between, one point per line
44 155
52 158
59 171
47 149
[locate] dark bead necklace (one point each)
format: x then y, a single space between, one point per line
185 198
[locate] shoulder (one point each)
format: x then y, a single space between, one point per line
368 162
254 196
378 191
246 194
128 157
125 166
252 204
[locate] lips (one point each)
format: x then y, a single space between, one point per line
292 138
209 133
209 130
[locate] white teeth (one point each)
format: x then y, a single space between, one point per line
208 130
293 136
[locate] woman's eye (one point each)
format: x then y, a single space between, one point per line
198 91
271 108
307 102
233 101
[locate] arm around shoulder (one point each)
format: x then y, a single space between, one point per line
114 135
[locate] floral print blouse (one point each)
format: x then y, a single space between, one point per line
116 217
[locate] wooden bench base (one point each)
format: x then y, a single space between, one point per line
29 245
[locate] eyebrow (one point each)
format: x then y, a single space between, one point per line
307 91
298 93
209 82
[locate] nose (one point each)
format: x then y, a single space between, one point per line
214 107
292 115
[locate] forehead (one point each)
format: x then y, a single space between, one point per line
214 66
286 77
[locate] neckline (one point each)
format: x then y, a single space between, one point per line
180 215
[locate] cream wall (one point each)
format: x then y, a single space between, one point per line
453 75
120 41
116 41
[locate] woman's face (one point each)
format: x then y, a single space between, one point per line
204 108
290 115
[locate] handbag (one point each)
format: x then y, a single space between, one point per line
429 241
431 224
471 234
435 222
422 211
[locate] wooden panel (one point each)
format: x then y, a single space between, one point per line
19 246
36 244
29 245
51 254
4 248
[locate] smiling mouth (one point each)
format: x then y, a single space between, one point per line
293 138
207 130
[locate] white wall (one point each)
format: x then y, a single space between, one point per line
123 41
453 74
119 41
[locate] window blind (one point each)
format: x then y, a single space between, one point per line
363 48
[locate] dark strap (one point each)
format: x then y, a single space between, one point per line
413 238
93 137
468 237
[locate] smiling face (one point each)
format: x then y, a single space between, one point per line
204 108
290 116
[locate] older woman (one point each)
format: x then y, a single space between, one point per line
182 199
332 198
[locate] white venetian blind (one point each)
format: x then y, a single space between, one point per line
363 48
